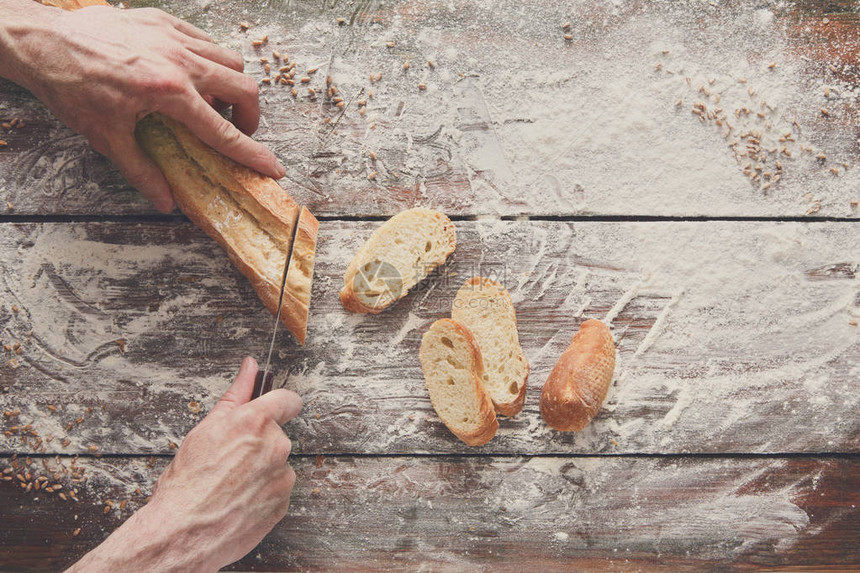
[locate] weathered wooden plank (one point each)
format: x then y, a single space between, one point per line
454 513
732 337
516 119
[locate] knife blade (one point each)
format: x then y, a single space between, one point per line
264 377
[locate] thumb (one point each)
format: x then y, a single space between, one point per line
240 391
142 173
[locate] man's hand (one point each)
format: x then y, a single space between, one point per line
228 485
102 69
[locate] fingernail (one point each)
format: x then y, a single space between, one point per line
166 206
281 170
248 364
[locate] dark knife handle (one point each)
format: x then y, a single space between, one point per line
262 384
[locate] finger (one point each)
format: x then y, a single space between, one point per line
215 53
234 88
279 405
217 132
240 391
187 28
142 173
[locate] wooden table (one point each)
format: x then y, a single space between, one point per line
593 175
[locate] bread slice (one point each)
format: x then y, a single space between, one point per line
577 386
396 257
485 308
247 213
451 362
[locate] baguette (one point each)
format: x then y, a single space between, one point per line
453 371
485 308
396 257
247 213
578 384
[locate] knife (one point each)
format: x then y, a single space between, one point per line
264 377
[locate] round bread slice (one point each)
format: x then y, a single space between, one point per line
396 257
451 362
485 308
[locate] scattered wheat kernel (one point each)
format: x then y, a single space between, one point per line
372 156
834 170
339 104
333 90
76 532
825 112
422 87
658 67
341 21
406 65
771 65
389 44
295 92
372 175
431 63
311 71
361 102
267 68
742 80
565 26
244 26
852 322
833 69
305 80
327 120
337 100
3 143
256 43
328 80
267 81
568 37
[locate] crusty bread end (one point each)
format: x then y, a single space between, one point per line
577 386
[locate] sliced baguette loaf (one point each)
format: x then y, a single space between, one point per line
247 213
485 308
396 257
578 384
451 362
